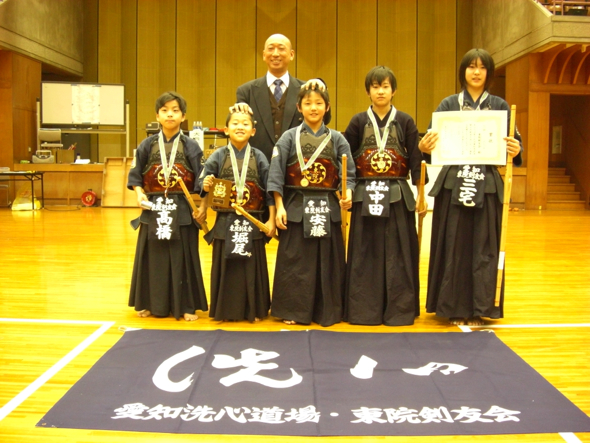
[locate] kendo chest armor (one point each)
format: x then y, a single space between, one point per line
392 163
322 174
253 197
154 180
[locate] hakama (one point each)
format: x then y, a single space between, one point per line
383 285
310 274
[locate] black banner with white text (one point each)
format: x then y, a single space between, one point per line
315 383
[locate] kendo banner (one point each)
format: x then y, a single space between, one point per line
315 383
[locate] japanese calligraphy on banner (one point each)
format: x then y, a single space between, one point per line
470 138
314 383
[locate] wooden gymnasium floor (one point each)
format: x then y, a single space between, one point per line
64 282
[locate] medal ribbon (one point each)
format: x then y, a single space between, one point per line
381 141
315 155
167 166
240 178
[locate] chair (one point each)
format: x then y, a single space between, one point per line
49 138
5 186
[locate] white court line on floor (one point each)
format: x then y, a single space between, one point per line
569 437
467 328
550 325
36 320
29 390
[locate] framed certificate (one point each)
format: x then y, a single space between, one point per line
470 137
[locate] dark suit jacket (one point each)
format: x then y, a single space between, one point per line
255 93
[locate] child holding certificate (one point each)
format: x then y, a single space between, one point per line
382 268
305 173
465 241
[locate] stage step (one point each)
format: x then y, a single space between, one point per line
566 205
559 179
563 196
561 187
556 171
561 192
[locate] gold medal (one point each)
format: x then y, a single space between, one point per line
304 182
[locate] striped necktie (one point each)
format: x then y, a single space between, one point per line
278 90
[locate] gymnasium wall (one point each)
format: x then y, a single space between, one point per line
205 49
49 31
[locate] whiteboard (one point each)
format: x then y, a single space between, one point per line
82 104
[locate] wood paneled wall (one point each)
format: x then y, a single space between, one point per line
527 88
20 85
6 129
205 49
577 143
116 29
517 93
195 75
315 52
437 55
236 54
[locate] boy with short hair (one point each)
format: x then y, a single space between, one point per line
240 287
167 274
382 267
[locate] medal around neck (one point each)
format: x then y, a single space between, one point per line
167 165
303 165
239 176
381 141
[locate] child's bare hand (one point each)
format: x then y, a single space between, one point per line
512 146
346 202
141 197
200 215
272 227
281 218
208 182
428 142
421 207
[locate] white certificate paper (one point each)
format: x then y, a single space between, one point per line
470 137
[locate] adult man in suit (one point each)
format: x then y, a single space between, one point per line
274 110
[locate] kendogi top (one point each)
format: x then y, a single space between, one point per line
381 155
155 177
254 198
316 168
388 154
159 164
451 176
